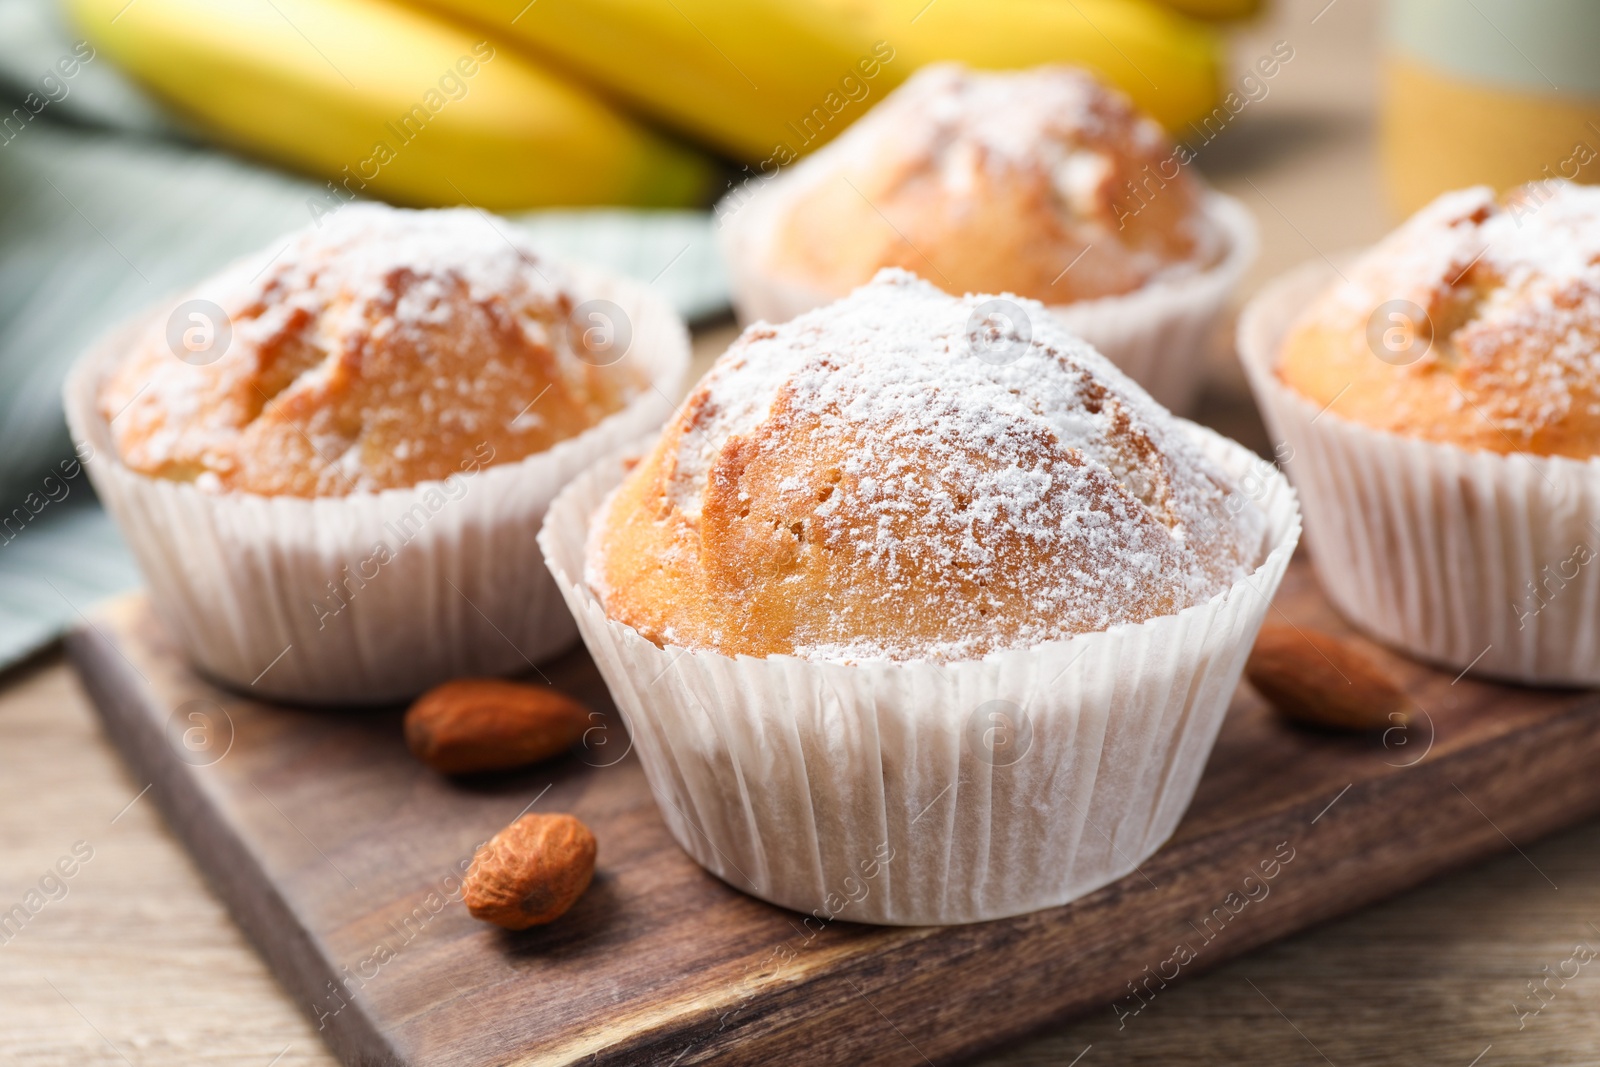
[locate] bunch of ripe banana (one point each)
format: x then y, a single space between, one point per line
508 104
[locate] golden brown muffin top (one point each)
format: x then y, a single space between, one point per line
1477 323
864 483
989 182
381 349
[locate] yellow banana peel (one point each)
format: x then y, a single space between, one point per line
1170 65
389 102
750 78
770 79
1216 10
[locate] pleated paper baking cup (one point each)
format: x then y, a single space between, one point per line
1459 557
371 597
1160 335
913 793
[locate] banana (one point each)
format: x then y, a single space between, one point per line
389 102
1216 10
748 78
1171 66
776 78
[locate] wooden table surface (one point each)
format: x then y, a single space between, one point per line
132 961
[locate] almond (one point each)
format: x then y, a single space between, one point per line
489 724
1313 677
531 872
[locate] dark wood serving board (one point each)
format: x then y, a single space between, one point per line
326 839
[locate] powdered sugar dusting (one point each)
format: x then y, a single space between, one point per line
1512 295
1059 120
1060 114
379 349
1025 499
990 179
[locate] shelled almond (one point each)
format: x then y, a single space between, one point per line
531 872
1313 677
488 724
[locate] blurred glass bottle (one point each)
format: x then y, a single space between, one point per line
1497 92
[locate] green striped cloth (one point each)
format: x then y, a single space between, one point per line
110 205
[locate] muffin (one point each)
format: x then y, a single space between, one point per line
1441 398
331 464
1042 182
857 486
873 600
386 349
995 181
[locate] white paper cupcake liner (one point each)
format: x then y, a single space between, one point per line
1160 335
1459 557
873 792
371 597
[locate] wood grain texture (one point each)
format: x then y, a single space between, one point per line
326 839
139 963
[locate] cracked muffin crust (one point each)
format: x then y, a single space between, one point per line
1042 182
1503 354
384 348
858 484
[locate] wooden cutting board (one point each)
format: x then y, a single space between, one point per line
335 851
